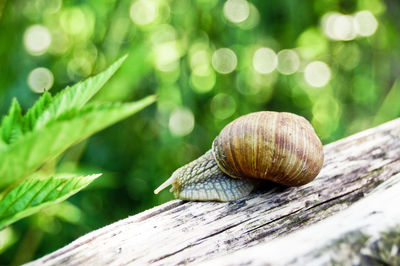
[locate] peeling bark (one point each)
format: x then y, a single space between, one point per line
341 216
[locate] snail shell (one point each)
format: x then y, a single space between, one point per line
279 147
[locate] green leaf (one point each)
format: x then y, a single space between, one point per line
11 125
32 195
77 95
36 111
34 148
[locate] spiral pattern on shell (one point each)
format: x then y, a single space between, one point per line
280 147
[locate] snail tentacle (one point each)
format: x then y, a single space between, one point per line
169 181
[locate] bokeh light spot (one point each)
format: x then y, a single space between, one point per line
73 21
312 43
223 106
317 74
288 62
339 27
40 79
252 20
203 82
200 62
224 60
366 24
265 60
236 11
181 122
37 39
166 56
143 12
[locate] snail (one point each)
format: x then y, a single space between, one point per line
279 147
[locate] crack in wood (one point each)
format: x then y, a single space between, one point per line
172 253
221 231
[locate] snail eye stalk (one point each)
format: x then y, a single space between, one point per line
169 181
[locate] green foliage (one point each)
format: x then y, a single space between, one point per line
36 111
43 144
51 126
11 125
76 96
30 196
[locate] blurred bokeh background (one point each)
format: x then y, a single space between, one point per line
336 62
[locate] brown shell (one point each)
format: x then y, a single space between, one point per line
280 147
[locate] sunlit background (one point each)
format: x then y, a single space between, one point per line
337 63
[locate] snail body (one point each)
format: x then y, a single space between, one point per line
279 147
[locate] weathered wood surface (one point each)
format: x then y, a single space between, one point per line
367 233
346 215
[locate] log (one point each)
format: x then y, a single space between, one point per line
348 215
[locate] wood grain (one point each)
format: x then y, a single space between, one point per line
358 172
